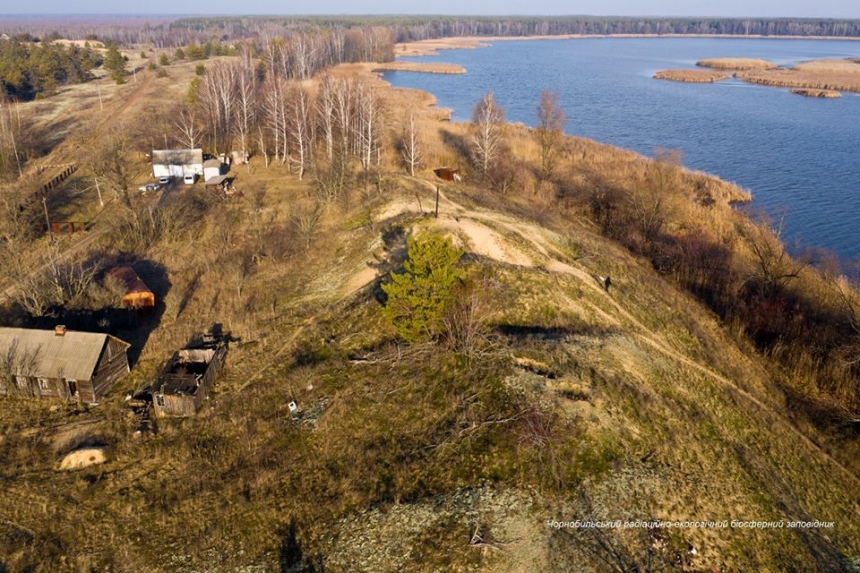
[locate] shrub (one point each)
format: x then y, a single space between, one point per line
419 296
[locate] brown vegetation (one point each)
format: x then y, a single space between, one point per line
816 93
736 64
810 79
689 390
422 67
691 76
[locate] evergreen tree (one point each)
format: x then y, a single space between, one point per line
115 63
419 296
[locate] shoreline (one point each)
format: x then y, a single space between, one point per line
432 47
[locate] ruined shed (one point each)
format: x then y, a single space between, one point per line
137 294
188 376
60 364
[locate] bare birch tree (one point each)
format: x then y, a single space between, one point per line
217 97
368 124
410 146
488 118
188 130
300 127
274 114
246 99
325 105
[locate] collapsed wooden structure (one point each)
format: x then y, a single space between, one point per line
188 376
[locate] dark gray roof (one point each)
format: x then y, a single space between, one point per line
44 354
177 156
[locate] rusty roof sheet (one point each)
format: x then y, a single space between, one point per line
133 283
44 354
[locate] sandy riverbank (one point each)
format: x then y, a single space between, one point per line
432 47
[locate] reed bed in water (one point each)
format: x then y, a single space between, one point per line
692 76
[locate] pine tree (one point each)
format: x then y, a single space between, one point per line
419 296
115 63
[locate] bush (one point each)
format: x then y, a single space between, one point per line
419 297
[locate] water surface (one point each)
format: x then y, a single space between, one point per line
796 154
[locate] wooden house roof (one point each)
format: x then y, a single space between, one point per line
46 354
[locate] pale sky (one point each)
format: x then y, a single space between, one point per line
721 8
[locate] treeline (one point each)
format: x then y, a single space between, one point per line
28 69
163 33
409 29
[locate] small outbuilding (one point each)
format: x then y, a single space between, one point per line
177 162
60 364
447 174
213 168
137 294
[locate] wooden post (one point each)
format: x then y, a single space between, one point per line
437 202
47 218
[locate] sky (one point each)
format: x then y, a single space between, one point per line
720 8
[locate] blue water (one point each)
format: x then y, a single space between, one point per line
796 155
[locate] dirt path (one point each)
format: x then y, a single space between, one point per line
481 228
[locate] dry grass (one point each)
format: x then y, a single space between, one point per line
827 75
817 93
793 78
639 396
422 67
432 47
691 76
736 64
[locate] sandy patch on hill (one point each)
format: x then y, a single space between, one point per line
83 458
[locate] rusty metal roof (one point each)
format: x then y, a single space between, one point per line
45 354
129 278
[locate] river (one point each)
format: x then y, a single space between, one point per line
798 156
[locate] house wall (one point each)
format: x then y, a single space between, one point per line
210 172
32 387
166 170
176 405
112 365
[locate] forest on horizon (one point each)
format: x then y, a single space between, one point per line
164 31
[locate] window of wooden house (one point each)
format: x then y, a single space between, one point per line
159 399
43 384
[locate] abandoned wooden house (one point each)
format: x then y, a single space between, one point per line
137 295
188 376
177 162
60 364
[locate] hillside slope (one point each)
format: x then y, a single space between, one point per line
550 399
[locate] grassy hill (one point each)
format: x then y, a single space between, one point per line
545 399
